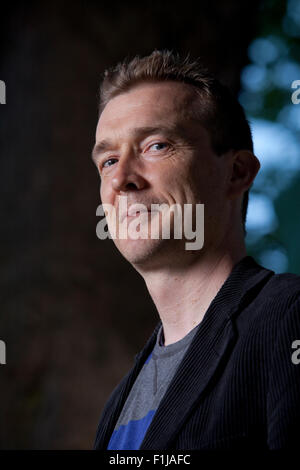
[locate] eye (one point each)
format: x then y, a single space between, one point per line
106 163
160 145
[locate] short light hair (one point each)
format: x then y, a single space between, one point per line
219 111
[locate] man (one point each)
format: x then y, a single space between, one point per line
217 372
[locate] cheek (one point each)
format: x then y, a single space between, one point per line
101 190
104 194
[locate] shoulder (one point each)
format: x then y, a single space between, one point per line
276 309
284 281
274 306
270 324
282 289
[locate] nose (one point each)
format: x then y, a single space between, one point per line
127 176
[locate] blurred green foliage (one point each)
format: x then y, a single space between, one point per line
273 223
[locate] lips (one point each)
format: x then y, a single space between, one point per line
133 211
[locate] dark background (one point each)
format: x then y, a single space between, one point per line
73 311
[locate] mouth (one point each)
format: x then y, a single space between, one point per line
131 213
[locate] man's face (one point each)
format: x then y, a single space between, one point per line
154 151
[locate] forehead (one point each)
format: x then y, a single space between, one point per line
148 104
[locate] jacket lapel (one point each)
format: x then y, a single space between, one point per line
206 354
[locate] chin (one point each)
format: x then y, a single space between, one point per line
147 251
139 251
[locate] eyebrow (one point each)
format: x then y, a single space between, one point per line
137 132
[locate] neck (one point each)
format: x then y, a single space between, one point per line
183 295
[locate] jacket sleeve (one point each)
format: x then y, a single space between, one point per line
283 401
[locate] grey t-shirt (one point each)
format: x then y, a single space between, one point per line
147 391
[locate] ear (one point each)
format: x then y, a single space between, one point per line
244 168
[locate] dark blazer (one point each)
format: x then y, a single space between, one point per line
237 386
